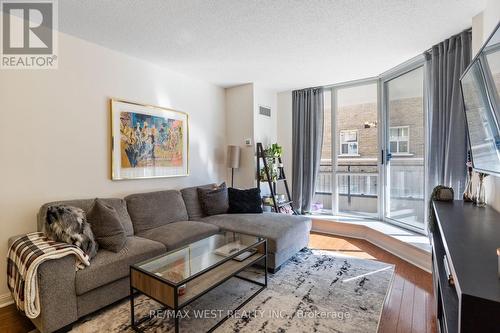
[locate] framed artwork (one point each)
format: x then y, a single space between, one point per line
148 141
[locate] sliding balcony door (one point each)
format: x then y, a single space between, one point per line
357 149
348 178
405 148
373 154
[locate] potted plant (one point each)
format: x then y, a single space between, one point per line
274 151
272 173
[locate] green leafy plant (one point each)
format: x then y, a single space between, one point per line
273 173
274 151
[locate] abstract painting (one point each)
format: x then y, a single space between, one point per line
148 141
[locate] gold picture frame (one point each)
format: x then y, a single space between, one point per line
148 141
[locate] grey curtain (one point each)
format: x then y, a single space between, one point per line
445 62
307 139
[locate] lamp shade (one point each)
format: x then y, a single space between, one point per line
233 157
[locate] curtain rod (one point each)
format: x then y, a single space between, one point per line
452 36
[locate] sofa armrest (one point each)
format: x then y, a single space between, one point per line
56 287
56 284
13 238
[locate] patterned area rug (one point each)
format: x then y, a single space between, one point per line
316 291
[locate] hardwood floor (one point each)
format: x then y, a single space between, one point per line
408 309
11 321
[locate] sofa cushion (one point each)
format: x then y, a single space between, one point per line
154 209
244 201
177 234
214 200
193 206
68 224
106 226
119 204
281 230
109 266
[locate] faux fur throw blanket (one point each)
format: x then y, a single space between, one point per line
25 255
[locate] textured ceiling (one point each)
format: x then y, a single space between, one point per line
281 44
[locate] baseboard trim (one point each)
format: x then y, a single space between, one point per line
408 252
6 299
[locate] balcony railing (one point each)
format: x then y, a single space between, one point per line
358 189
357 185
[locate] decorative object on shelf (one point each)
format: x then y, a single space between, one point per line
468 195
481 192
268 172
148 141
439 193
286 209
274 151
272 173
280 171
233 160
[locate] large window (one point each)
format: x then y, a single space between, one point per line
349 142
374 148
348 176
405 168
399 138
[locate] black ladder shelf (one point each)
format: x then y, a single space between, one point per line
272 184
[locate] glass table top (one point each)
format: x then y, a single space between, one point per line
180 264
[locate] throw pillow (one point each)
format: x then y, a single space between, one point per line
244 201
69 224
213 201
106 225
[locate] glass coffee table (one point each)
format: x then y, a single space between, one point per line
177 278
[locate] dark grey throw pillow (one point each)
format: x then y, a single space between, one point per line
213 201
244 201
106 225
69 224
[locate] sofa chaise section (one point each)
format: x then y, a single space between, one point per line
286 234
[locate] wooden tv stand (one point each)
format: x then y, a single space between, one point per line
469 237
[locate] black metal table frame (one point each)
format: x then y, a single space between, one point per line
135 292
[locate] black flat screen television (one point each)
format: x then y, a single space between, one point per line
480 84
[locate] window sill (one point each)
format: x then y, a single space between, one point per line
408 245
349 155
403 154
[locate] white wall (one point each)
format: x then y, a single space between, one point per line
243 121
265 128
482 27
284 119
55 131
240 126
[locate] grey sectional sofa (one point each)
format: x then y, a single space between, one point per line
155 223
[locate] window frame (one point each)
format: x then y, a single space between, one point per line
398 152
341 142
